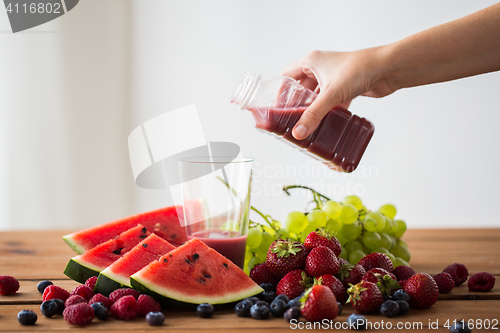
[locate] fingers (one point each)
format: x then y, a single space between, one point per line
311 118
295 71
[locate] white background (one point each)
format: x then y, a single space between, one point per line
73 89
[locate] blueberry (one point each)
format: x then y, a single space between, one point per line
389 309
27 317
268 296
277 308
294 303
252 299
404 307
60 305
262 303
388 298
49 308
283 297
205 310
340 308
42 285
100 310
292 313
460 327
242 309
259 311
401 295
267 287
155 318
357 322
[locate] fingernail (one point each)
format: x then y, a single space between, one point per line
300 131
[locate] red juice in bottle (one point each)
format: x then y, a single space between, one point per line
228 243
276 106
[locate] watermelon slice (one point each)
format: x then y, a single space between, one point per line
117 275
81 267
163 222
193 274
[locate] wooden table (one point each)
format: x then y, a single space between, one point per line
39 255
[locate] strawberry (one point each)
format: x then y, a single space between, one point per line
323 238
293 284
482 281
285 256
365 297
261 274
335 286
321 260
376 260
444 282
458 272
350 274
342 261
384 280
423 290
319 303
403 272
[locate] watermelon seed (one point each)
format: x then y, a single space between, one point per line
144 230
170 255
142 236
165 260
174 236
202 281
196 256
225 264
145 245
188 261
118 251
207 275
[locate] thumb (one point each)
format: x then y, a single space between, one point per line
313 115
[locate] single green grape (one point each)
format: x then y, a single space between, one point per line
373 220
332 209
317 217
253 261
402 252
385 241
381 223
333 225
353 200
267 240
344 254
349 214
351 231
254 237
400 262
353 246
371 240
283 233
296 222
392 257
341 238
356 256
380 250
369 224
389 226
402 242
400 228
388 210
261 255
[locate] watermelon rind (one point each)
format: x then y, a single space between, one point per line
106 285
73 245
173 299
80 271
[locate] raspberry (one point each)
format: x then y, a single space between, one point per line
84 291
403 272
482 281
52 292
100 298
8 285
91 281
444 281
75 299
119 293
147 304
125 308
458 272
79 314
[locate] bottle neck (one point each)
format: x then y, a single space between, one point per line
246 90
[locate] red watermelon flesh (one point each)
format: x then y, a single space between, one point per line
163 222
118 274
194 273
83 266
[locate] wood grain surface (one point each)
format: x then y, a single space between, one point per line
32 256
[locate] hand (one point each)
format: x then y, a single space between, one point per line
340 77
